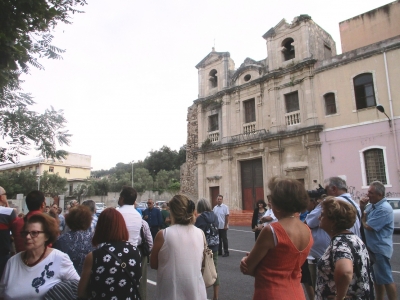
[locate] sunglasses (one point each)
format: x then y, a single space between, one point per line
33 233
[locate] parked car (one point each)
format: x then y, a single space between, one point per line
141 206
395 203
99 208
159 203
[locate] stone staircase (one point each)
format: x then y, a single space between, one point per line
240 217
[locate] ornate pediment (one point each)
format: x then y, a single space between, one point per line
283 26
212 57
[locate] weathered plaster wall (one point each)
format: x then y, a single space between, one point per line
371 27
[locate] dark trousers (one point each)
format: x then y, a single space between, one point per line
154 230
3 262
223 240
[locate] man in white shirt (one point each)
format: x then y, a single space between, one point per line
222 212
134 222
337 187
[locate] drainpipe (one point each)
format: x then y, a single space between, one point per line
391 115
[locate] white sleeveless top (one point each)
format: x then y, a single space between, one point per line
179 264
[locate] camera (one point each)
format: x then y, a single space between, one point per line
317 192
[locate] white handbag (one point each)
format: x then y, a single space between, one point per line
207 266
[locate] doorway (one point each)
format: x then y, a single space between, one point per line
252 183
214 192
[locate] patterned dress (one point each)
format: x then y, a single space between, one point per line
77 244
108 280
351 247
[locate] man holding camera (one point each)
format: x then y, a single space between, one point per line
337 187
334 186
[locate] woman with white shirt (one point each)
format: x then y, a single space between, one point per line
39 267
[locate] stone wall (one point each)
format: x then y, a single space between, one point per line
189 185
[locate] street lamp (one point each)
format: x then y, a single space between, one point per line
38 185
382 110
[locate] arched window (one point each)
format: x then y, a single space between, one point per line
288 49
364 91
375 168
213 78
330 104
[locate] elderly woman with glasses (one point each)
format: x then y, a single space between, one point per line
40 267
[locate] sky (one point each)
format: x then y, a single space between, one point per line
128 74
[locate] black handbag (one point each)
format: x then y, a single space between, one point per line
144 246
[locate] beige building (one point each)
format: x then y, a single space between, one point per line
279 116
370 27
75 168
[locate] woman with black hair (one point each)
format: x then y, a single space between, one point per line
258 213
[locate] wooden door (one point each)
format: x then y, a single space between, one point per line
214 192
252 183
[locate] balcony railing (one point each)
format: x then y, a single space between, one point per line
249 128
292 118
213 136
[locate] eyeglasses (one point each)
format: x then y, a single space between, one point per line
33 233
149 203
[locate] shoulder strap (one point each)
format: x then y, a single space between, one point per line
351 202
123 266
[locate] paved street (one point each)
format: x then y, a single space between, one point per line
234 285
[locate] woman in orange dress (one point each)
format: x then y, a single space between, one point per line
282 247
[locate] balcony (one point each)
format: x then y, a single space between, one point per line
213 136
249 128
292 118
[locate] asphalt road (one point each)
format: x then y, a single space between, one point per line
236 286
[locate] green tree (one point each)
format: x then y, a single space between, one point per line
165 178
142 180
101 186
163 159
52 184
83 190
18 183
25 36
174 187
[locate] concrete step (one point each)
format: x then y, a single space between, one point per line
240 217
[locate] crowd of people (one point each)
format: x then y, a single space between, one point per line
337 248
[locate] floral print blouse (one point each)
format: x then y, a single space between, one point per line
108 280
344 246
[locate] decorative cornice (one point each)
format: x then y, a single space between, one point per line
294 169
226 158
276 150
215 178
251 150
315 144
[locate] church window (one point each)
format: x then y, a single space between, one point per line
330 104
288 49
364 91
213 78
292 102
213 123
247 77
249 111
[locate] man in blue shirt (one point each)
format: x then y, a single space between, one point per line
153 217
378 225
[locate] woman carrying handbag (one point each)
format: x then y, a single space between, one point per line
208 222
